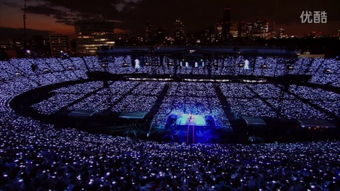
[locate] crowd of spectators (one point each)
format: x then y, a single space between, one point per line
20 75
191 98
325 99
38 156
323 71
269 100
35 156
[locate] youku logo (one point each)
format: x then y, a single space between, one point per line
313 17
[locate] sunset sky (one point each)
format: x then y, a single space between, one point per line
133 15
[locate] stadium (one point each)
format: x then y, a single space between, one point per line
171 118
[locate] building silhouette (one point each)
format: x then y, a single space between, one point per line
226 23
58 44
179 35
93 34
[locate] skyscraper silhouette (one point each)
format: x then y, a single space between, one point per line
226 23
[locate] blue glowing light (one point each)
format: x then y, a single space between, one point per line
189 119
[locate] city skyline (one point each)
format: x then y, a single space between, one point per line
131 16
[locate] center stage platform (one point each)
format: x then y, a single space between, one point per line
192 128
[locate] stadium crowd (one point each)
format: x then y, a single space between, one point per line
37 156
191 98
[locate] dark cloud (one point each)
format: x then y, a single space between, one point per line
10 4
196 14
201 13
62 15
44 10
106 8
68 11
12 33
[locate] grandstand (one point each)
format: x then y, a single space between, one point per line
64 111
272 88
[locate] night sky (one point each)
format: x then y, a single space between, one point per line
133 15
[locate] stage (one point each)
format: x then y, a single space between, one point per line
192 128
